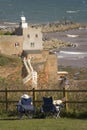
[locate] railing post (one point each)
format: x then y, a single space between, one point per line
63 91
34 96
6 100
65 94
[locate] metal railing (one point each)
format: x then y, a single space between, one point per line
34 92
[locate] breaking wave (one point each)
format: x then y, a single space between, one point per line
73 36
72 11
73 53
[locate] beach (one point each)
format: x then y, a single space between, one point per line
75 55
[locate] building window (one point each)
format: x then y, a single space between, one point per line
36 35
28 36
32 44
16 44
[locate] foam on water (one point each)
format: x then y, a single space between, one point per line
72 11
73 36
73 53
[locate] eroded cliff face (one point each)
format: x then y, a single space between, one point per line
46 68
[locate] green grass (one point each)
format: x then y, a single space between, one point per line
44 124
8 60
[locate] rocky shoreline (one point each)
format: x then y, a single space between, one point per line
55 44
61 26
56 27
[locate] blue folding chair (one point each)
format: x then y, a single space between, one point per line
25 106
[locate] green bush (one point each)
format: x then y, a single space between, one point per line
3 60
75 114
8 33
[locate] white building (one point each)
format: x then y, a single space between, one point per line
32 36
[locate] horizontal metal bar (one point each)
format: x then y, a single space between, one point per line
43 90
42 101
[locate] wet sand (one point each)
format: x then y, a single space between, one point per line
80 63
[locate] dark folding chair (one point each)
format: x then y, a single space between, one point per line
48 108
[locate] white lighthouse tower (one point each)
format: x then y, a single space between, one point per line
24 24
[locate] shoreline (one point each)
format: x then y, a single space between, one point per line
47 27
56 27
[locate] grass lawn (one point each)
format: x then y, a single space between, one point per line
44 124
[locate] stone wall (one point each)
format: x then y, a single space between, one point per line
52 68
11 45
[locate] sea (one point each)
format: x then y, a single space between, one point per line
45 11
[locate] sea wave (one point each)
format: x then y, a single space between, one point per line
72 11
71 58
73 53
73 36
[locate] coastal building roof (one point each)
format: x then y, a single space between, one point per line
33 51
